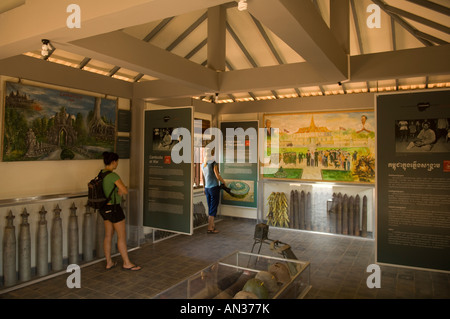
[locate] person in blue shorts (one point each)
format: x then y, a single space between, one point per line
211 179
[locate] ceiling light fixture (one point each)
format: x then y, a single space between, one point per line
242 5
47 48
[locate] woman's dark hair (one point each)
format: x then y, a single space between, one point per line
109 157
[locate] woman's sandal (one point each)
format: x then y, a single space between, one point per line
212 231
113 266
133 268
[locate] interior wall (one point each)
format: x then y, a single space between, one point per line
56 177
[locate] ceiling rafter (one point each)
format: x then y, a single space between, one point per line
241 45
356 22
113 71
147 38
84 62
247 54
150 36
363 66
432 6
188 31
244 51
157 29
422 37
358 33
196 49
417 18
272 49
119 48
305 31
267 40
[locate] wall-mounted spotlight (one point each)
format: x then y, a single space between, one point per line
214 98
343 81
47 48
242 5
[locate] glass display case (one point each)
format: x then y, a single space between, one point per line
243 275
339 208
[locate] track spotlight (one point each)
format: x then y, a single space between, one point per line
47 48
214 98
242 5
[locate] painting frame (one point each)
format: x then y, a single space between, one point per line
335 146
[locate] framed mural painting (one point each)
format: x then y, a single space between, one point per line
49 124
323 146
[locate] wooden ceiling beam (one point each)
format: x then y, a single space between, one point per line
300 25
121 49
22 28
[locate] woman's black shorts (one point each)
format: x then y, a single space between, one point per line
113 213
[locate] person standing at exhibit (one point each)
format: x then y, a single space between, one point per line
403 126
211 178
113 215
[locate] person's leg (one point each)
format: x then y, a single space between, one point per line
214 204
209 198
211 226
109 232
122 245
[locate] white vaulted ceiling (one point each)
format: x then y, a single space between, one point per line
275 49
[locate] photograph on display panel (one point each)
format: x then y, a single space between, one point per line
335 146
240 191
49 124
422 135
162 139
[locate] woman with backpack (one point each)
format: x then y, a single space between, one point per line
112 213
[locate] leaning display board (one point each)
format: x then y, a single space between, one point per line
168 181
239 168
413 179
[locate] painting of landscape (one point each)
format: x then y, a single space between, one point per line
49 124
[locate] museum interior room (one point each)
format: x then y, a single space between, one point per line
330 122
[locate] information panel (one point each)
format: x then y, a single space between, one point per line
239 168
413 179
167 180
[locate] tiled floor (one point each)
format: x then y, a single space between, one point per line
338 267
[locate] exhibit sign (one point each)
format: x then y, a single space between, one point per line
323 146
239 166
167 181
48 124
413 179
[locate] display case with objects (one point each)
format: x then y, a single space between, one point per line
243 275
338 208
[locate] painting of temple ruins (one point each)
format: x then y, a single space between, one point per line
336 146
48 124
